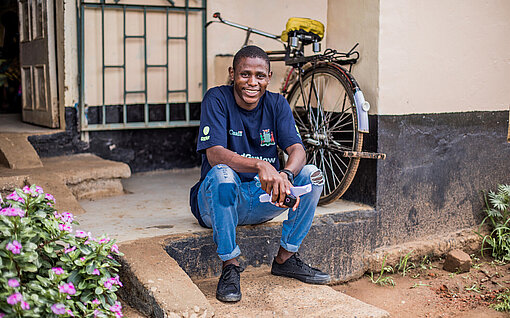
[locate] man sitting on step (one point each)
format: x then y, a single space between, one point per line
240 128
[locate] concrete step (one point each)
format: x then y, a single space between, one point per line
68 178
265 295
336 243
17 153
154 283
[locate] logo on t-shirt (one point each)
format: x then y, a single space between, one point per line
266 137
238 133
206 132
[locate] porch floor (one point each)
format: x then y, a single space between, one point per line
157 203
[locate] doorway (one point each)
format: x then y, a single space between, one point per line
10 76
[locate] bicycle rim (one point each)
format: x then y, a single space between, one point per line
326 117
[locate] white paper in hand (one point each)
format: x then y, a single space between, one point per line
295 191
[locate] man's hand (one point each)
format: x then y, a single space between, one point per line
272 182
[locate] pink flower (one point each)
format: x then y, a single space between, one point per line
116 280
70 313
58 270
12 212
39 189
26 189
14 299
58 309
108 284
112 281
69 250
15 197
115 248
82 258
13 282
97 313
67 217
80 234
65 227
117 308
14 247
2 315
96 272
25 305
49 197
96 302
104 240
67 289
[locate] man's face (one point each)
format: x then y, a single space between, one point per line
250 78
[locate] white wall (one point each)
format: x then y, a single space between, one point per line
71 93
444 56
357 21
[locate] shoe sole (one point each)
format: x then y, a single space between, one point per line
307 280
228 298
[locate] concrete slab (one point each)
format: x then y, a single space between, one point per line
17 153
157 203
156 285
265 295
12 123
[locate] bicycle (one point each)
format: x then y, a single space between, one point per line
327 103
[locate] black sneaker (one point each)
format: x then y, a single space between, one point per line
229 286
295 268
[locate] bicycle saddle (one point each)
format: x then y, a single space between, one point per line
303 26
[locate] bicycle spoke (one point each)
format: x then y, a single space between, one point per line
343 117
323 165
301 125
338 147
335 184
339 166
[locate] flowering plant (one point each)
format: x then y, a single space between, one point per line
47 271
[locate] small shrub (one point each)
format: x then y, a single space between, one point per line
498 218
46 270
381 279
503 303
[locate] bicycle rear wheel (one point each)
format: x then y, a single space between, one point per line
326 116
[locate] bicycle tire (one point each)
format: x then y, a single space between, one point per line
329 129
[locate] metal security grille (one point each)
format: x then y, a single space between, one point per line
141 65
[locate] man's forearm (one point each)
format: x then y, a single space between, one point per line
297 158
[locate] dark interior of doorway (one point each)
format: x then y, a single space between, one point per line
10 88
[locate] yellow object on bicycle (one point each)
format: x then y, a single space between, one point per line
305 24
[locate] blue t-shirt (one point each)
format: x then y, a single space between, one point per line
253 134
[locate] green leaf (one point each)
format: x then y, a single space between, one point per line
48 249
29 268
98 291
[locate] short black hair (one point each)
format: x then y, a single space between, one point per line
253 52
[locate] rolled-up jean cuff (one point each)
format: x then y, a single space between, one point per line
289 247
235 253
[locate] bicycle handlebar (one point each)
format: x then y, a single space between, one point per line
217 15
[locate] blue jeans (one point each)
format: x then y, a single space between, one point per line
225 202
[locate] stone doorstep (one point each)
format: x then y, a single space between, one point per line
17 153
336 243
70 178
154 283
156 286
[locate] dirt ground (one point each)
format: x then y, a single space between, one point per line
428 291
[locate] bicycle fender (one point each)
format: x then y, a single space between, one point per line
362 107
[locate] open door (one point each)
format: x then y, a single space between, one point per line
38 63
